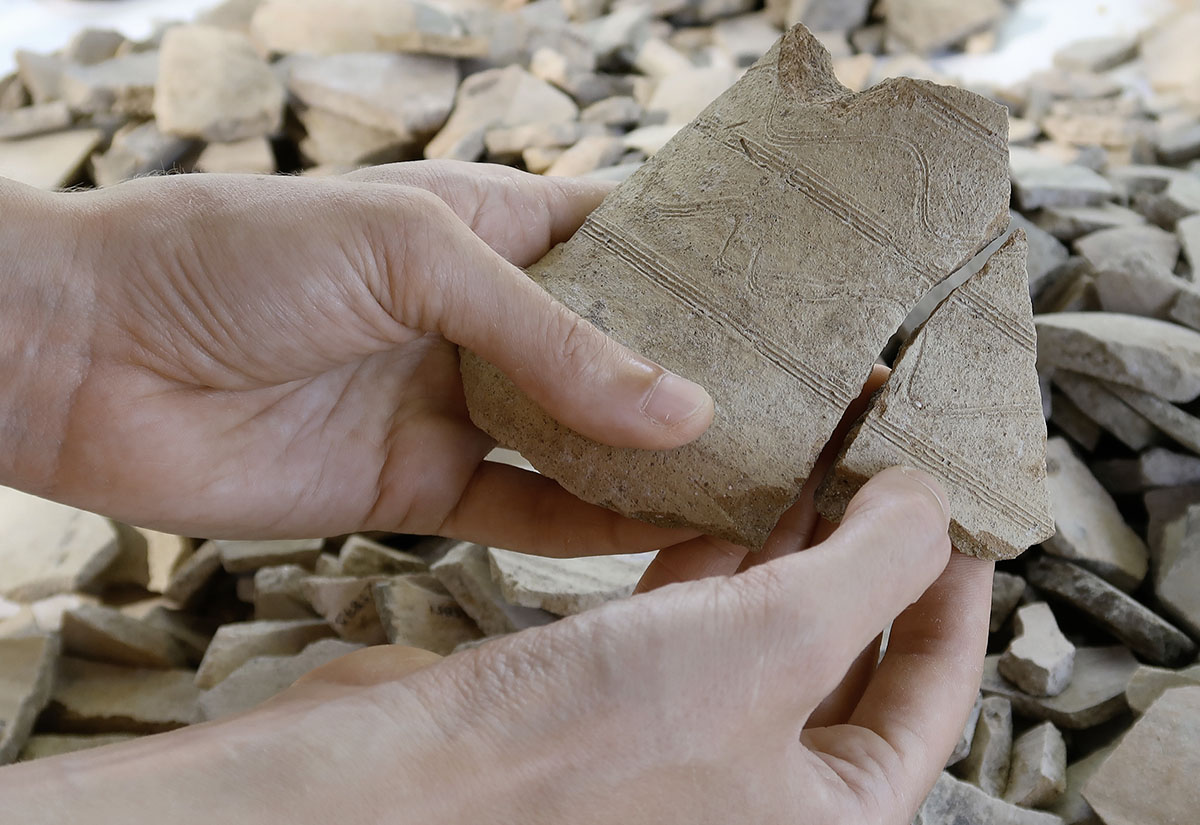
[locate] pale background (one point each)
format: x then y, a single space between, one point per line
1027 40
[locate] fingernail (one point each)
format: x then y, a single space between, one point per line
673 399
926 481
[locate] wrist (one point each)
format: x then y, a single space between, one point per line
45 323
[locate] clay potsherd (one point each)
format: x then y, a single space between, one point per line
767 253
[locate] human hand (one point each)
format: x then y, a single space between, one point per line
269 357
743 698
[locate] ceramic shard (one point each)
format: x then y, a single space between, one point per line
767 252
946 420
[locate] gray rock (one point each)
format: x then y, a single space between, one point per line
1188 230
1097 401
1089 528
1146 633
1096 693
279 593
48 548
565 586
248 556
417 611
191 578
466 573
262 677
27 669
137 149
360 556
107 635
1154 356
952 802
1038 777
967 737
1177 576
1045 251
1071 806
1148 683
1105 249
1148 776
1040 659
34 120
1070 222
347 605
1170 419
91 697
987 762
1156 467
124 85
1040 182
236 643
1007 590
1096 54
931 25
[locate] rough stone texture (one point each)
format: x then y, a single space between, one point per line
360 556
467 574
48 548
262 677
987 762
103 634
1170 419
1154 356
565 586
1150 776
1089 528
1007 590
34 120
1038 776
704 281
1145 632
497 98
1104 407
919 417
137 149
236 643
931 25
407 95
1177 576
279 593
1095 695
1148 683
337 26
248 556
952 802
967 737
1039 181
43 745
213 86
1040 659
91 697
1108 247
417 611
123 84
347 605
26 678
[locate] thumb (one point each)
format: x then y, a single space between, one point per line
464 290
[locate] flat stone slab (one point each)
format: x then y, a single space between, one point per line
952 802
360 556
279 593
236 643
1071 806
928 27
1154 356
104 634
566 586
192 576
418 611
1109 247
1177 577
1150 776
1167 417
248 556
1147 634
48 548
703 278
1089 529
1007 590
1039 660
27 668
1040 182
92 697
1156 467
993 471
1095 695
262 677
1148 683
347 605
1098 401
466 572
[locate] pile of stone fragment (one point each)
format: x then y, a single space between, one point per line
1091 689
